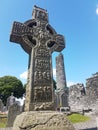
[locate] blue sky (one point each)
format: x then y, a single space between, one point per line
77 20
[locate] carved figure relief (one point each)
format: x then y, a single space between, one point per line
41 15
41 77
38 94
36 76
42 94
49 93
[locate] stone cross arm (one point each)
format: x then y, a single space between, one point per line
60 42
19 35
23 34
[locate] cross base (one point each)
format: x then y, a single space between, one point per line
40 106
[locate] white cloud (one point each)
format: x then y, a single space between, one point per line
69 83
54 72
20 100
23 75
97 10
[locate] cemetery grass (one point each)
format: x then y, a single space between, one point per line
77 118
3 122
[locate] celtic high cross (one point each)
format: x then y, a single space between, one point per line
39 40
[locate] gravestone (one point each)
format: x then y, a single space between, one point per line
1 105
39 40
10 101
14 110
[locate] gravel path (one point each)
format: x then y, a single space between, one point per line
88 125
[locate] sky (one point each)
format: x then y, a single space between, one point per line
76 20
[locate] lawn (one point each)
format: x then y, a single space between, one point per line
75 118
3 121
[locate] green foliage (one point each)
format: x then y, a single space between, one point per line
75 118
8 85
25 86
54 84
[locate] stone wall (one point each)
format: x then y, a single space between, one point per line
14 110
92 91
76 97
81 97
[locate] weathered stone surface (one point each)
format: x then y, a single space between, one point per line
42 120
92 92
60 73
1 105
10 101
61 93
86 99
77 97
13 111
39 40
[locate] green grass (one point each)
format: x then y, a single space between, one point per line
3 122
76 118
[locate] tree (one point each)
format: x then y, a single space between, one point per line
8 85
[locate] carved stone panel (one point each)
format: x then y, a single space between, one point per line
42 94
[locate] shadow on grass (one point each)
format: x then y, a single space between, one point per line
95 128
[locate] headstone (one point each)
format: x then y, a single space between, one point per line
10 101
14 110
5 110
62 90
1 105
39 40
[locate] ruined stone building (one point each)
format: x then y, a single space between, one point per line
76 96
81 97
92 91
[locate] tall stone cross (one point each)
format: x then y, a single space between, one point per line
39 40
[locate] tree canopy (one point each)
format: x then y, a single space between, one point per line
8 85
